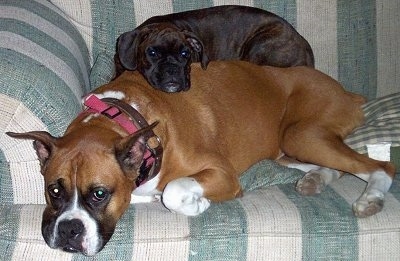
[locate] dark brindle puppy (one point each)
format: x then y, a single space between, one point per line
163 47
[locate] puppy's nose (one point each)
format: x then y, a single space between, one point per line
69 232
172 70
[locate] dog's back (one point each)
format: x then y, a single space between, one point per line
242 27
236 106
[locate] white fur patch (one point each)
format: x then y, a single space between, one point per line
135 106
91 239
135 199
185 196
305 167
371 201
378 180
111 94
147 189
90 117
329 175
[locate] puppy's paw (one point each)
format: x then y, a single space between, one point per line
185 196
365 207
310 184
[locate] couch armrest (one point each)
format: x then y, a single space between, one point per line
44 72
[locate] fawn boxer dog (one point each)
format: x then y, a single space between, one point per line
199 142
163 47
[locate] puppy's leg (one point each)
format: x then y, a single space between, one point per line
192 195
328 150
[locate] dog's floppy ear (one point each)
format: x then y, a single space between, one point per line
43 143
198 47
127 48
130 150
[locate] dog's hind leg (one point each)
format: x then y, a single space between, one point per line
315 179
372 200
329 151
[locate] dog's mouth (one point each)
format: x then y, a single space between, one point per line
172 87
72 249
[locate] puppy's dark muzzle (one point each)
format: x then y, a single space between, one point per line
172 78
70 234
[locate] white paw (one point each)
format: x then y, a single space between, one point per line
368 204
185 196
372 200
310 184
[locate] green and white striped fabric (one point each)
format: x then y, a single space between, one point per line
268 223
53 52
44 72
382 124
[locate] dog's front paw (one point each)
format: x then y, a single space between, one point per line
185 196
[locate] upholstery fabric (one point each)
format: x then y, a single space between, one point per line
54 52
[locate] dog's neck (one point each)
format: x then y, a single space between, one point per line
132 121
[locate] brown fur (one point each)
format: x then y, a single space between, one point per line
229 121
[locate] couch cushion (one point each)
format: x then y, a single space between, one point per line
267 223
382 125
44 70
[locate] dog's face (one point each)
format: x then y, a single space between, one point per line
88 185
162 54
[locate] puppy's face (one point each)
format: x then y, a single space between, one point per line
89 178
166 62
163 56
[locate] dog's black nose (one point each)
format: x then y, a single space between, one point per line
172 70
69 229
69 232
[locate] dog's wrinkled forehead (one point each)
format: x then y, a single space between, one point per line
81 169
167 39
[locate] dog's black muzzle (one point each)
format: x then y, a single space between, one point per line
171 77
70 235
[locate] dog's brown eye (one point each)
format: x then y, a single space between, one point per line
54 191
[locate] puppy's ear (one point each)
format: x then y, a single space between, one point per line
130 151
43 143
127 48
198 47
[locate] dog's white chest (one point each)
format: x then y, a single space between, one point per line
147 192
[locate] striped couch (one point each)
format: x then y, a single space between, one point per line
53 52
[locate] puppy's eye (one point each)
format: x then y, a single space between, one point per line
99 194
185 54
152 52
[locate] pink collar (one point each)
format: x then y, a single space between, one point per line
131 120
96 105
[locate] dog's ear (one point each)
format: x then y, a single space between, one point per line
127 48
130 150
198 47
43 143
